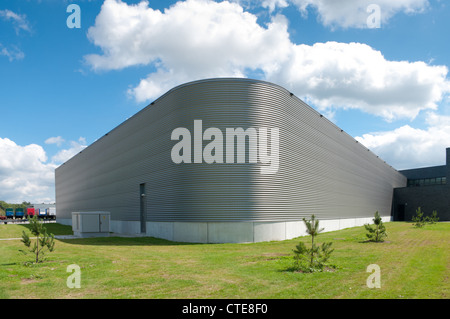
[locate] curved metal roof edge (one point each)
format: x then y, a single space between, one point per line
237 79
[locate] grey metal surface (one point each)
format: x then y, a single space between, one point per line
322 170
425 172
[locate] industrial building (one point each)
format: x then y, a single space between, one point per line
427 188
227 160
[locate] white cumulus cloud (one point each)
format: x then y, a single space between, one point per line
24 173
350 13
65 154
58 140
199 39
190 40
353 75
407 147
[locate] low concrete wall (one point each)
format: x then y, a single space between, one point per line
228 232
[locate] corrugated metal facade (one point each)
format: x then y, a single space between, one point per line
322 170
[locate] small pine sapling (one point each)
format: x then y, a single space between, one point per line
377 232
418 219
433 218
314 258
43 241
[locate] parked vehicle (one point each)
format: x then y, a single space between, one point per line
30 211
51 212
19 213
9 213
41 213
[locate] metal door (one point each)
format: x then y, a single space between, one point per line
401 212
143 212
104 223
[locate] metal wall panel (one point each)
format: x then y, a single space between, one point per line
322 170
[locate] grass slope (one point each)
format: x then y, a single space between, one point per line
414 263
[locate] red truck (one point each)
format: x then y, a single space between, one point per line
30 212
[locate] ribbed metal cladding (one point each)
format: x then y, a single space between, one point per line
322 170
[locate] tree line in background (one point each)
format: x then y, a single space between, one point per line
4 205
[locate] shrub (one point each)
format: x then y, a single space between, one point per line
418 219
314 258
43 241
433 218
377 232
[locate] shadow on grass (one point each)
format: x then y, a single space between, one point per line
12 264
374 242
62 230
125 241
306 270
53 228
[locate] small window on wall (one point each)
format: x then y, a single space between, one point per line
444 180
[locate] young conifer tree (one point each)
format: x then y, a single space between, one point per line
377 232
315 257
418 219
43 241
433 218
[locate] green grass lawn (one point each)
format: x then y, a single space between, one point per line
414 263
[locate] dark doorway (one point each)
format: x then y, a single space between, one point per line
401 212
143 212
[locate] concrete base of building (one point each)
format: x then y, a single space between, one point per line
90 234
228 232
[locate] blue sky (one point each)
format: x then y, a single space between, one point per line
62 88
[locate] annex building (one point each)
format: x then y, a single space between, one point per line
428 188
